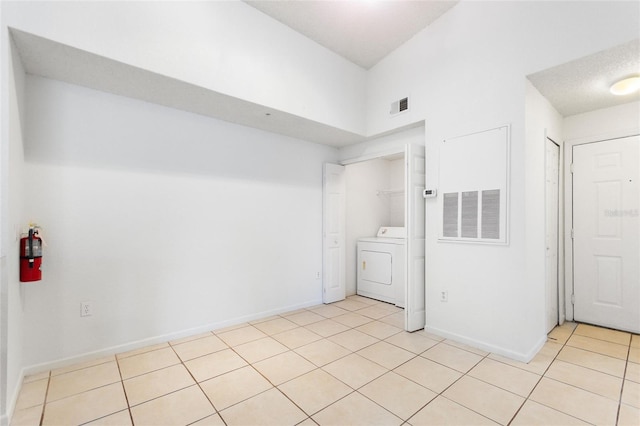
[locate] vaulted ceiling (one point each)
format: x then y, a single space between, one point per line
362 31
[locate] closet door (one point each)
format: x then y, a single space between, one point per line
334 236
415 314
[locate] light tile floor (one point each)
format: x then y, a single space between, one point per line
348 363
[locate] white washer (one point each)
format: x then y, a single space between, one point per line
381 266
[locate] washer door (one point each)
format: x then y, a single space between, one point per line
375 266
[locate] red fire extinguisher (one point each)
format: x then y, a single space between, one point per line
31 257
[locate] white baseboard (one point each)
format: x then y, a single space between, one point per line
112 350
13 400
487 347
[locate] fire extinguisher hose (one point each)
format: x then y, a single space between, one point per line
31 257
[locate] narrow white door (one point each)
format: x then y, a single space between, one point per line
333 242
551 207
415 313
606 227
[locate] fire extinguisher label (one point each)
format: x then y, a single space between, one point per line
31 257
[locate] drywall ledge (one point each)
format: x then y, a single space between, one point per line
50 59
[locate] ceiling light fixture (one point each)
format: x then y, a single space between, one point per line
625 86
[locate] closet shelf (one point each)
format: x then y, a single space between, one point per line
387 192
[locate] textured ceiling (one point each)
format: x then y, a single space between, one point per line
583 85
362 31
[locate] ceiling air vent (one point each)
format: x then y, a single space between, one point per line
399 106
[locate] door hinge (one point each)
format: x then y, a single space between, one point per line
573 299
571 167
573 234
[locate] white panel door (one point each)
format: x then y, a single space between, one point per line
551 207
607 233
334 236
415 313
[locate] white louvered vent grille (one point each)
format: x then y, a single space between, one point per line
474 183
477 218
404 104
399 106
469 226
450 216
491 214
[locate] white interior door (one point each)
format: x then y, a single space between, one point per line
415 314
551 206
606 233
334 236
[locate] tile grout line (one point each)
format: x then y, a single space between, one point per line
250 364
124 390
255 369
271 383
419 384
44 403
381 406
596 353
574 386
414 357
309 416
355 352
274 386
541 377
624 375
182 362
86 391
153 371
456 381
564 345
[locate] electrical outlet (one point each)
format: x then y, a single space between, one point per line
317 275
444 296
86 309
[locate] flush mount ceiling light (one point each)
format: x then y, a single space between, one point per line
625 86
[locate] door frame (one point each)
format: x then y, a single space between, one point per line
559 233
567 153
404 150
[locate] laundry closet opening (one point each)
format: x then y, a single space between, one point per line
375 198
384 230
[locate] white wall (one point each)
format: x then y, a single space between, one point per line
224 46
17 200
462 66
167 221
602 124
542 121
4 211
464 75
396 199
11 319
392 142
